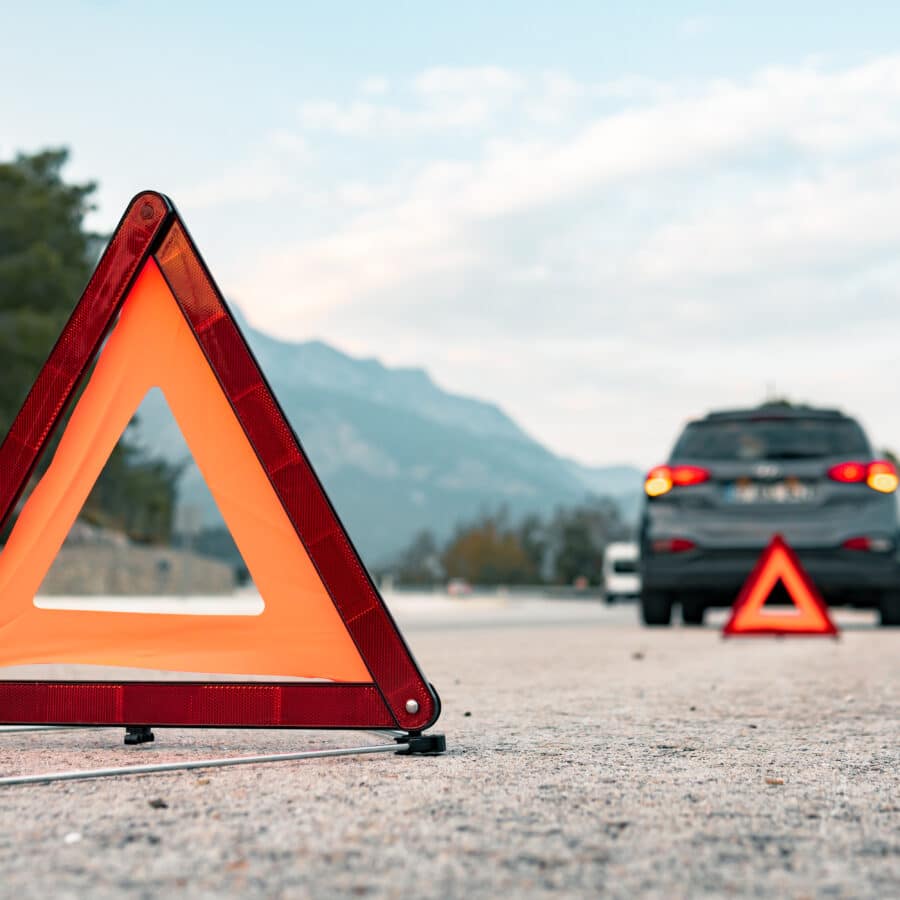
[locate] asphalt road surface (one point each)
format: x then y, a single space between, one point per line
587 756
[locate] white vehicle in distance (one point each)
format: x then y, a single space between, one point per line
620 572
459 587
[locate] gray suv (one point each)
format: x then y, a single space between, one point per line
734 479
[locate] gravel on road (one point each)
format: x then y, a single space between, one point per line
586 757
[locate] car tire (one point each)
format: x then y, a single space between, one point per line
611 599
656 608
692 612
890 608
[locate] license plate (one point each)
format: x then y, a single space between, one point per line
791 490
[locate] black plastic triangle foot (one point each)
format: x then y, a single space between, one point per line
423 744
139 734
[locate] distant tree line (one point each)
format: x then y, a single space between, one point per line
494 550
46 258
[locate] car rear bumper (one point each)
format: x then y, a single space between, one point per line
844 575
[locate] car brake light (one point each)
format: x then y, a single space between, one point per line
673 545
880 475
872 544
848 472
662 479
687 475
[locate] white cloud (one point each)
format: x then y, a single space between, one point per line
438 99
326 115
833 219
253 181
655 258
276 167
449 81
291 144
375 85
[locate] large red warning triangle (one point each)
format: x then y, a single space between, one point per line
324 653
809 614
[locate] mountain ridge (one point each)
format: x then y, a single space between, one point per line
396 452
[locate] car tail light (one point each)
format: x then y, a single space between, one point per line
672 545
880 475
848 472
658 481
687 475
662 479
869 544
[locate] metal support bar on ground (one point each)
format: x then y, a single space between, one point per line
18 729
76 775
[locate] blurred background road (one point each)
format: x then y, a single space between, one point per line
586 754
435 611
418 612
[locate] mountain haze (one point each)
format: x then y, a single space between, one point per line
395 452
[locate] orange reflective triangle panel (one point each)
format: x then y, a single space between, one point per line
809 614
323 653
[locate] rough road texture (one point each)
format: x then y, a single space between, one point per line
586 758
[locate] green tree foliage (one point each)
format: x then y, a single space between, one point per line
134 495
492 551
489 552
46 259
534 538
420 564
580 536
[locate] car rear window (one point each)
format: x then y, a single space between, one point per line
771 439
624 566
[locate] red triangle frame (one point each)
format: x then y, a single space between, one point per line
398 698
747 617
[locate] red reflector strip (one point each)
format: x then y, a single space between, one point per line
187 704
78 344
673 545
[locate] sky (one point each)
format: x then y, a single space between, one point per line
606 220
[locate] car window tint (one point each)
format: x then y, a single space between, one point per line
771 439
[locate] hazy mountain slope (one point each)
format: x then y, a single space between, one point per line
622 482
394 451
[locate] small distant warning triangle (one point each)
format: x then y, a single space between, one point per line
323 653
809 614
